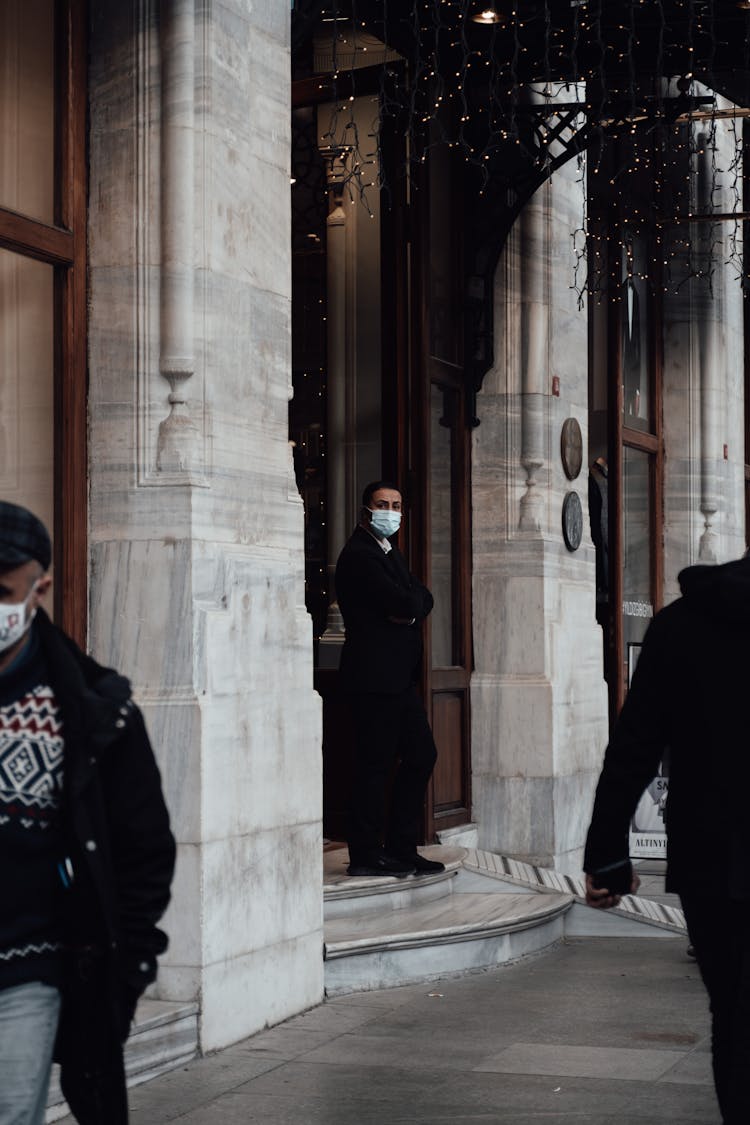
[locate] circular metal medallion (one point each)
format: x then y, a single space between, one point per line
572 521
571 448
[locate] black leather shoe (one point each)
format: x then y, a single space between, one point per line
380 863
423 865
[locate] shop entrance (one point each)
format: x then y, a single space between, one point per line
379 392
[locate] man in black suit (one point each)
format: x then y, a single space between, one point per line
383 606
689 693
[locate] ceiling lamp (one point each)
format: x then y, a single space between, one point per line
487 16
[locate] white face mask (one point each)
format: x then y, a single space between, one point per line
14 623
385 522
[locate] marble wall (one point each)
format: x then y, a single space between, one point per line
703 382
539 709
196 526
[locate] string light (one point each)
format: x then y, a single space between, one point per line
506 125
513 90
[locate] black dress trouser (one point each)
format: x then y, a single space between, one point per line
719 930
390 730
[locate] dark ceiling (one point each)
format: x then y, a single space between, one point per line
615 41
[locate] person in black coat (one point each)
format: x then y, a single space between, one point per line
689 694
85 848
383 607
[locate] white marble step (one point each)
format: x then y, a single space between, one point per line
346 895
454 934
458 918
164 1037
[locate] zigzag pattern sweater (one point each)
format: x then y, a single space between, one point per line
31 778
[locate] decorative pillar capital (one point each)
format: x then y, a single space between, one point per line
337 170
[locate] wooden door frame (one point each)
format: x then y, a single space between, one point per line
452 679
71 422
62 245
622 437
426 371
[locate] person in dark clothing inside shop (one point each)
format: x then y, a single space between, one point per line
383 607
86 853
689 693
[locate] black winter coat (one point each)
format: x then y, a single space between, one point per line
690 693
380 655
116 830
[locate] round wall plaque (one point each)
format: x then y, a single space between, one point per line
571 448
572 521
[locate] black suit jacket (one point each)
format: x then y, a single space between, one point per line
372 587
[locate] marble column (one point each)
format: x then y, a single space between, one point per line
176 443
703 370
539 707
709 355
196 524
338 453
535 360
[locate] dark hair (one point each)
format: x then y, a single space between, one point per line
375 486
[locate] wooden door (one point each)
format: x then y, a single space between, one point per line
440 480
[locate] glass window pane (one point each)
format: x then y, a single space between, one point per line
27 107
441 524
27 384
445 271
635 309
637 597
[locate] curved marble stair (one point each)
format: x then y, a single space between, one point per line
164 1037
384 932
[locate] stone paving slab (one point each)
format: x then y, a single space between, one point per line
596 1032
622 1064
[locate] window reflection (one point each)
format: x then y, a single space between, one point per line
27 107
637 598
444 260
26 384
635 335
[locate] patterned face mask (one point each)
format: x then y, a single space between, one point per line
14 622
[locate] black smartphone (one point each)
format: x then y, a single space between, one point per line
617 881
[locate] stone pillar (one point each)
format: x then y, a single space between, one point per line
176 443
539 706
709 351
196 525
534 361
338 453
703 388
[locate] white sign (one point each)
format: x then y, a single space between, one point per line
648 836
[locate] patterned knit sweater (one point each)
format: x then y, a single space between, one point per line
31 779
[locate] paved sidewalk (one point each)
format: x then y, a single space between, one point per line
598 1031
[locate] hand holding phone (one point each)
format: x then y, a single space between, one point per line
617 880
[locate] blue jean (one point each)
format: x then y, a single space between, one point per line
28 1025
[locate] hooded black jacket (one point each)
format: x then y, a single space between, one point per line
690 693
116 832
